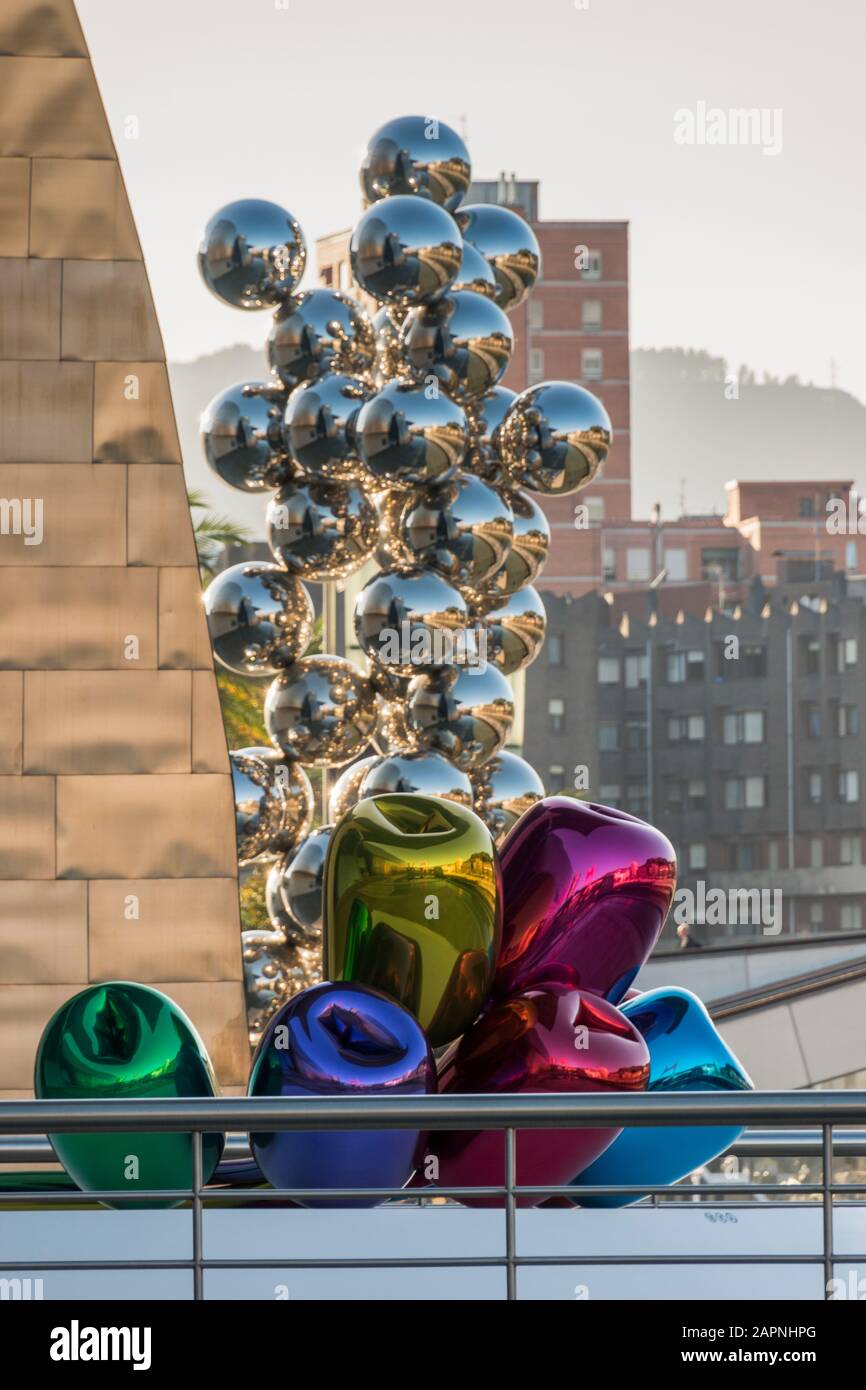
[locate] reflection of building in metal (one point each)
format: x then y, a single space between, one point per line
737 732
117 843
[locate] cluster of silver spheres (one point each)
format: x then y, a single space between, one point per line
385 436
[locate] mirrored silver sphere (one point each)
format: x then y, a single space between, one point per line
475 274
485 415
405 250
555 437
409 436
516 626
319 426
297 888
428 773
465 713
344 792
464 341
530 546
416 155
252 254
242 438
319 331
259 805
406 620
505 787
461 528
296 790
508 242
391 358
393 734
321 711
260 619
268 963
319 530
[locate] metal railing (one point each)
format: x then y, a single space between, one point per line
828 1111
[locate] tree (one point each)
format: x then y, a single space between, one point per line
212 533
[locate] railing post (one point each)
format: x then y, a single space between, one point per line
197 1185
827 1132
510 1216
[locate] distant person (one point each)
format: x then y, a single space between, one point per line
687 943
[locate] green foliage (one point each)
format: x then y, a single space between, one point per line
254 913
212 533
242 702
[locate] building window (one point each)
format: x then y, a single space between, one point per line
851 556
816 916
722 563
807 506
847 721
326 275
813 722
754 661
745 793
816 853
845 654
849 787
697 856
677 565
636 668
636 735
591 364
637 799
851 917
810 657
590 315
593 268
536 314
608 738
745 727
556 715
608 563
697 794
773 855
345 275
681 667
554 649
637 565
556 777
814 787
850 849
686 728
536 365
608 670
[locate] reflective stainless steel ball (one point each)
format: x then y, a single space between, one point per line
409 436
391 551
260 619
406 620
461 528
252 253
320 426
516 625
475 273
416 155
505 786
320 331
405 251
485 414
299 801
320 530
259 805
556 436
530 546
464 342
465 713
299 878
242 438
390 356
508 243
393 734
431 774
321 711
268 966
344 792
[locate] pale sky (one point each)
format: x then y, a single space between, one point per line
756 258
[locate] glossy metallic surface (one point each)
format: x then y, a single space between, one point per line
260 619
125 1041
530 546
587 890
294 786
409 437
462 528
260 805
320 530
393 734
505 787
391 551
515 626
320 426
540 1041
241 436
321 711
405 250
409 620
252 254
336 1039
412 907
427 773
390 353
464 340
485 414
464 713
301 883
416 155
508 243
268 964
319 331
686 1053
555 437
475 273
344 792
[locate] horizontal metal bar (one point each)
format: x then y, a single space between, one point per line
485 1112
